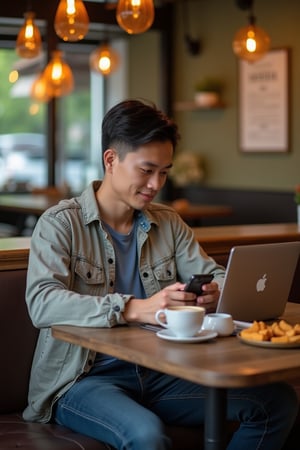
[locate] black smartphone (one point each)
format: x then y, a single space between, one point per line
196 281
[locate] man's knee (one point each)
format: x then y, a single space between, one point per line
151 434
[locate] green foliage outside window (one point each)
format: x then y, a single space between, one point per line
15 114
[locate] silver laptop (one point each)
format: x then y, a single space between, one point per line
258 280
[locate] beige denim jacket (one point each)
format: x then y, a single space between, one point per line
71 277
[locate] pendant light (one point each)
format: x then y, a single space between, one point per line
71 21
29 41
251 42
104 59
58 76
135 16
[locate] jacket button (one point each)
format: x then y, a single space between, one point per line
110 260
89 274
117 308
145 275
111 283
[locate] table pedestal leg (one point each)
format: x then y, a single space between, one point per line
215 419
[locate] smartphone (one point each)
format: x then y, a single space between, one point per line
196 282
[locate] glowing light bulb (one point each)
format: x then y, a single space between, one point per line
58 76
104 64
71 21
251 43
104 59
29 40
135 16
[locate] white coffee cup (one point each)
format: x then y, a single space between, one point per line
182 321
220 322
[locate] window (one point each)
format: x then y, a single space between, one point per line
25 159
23 131
22 127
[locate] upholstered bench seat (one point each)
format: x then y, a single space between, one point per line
15 433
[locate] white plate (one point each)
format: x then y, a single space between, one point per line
269 344
204 335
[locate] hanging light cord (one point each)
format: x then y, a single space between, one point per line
245 4
193 45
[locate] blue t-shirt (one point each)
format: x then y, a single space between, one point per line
128 279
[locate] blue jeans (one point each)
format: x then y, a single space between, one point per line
127 405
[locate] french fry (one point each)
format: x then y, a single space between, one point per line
294 338
290 332
254 327
297 328
280 339
262 325
278 331
284 325
255 336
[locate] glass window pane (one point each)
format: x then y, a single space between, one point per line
22 126
74 124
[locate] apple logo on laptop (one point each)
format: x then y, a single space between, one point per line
261 283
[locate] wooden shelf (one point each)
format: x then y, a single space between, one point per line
192 106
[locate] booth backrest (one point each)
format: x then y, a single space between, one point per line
17 341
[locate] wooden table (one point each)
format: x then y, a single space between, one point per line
24 205
37 203
194 213
34 204
219 364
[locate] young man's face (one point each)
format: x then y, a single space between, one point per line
139 177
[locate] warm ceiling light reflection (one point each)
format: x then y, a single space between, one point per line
34 109
58 76
29 40
104 59
135 16
40 90
71 21
13 76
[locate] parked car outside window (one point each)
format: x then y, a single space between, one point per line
23 163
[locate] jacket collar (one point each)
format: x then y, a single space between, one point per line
90 211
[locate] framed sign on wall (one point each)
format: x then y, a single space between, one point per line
264 103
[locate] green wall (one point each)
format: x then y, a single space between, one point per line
214 134
144 63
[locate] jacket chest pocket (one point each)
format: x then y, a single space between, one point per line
165 272
89 278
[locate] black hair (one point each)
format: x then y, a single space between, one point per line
133 123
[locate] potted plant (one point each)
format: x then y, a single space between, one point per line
208 92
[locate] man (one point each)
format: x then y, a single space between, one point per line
111 257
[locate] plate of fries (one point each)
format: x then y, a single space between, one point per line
279 334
